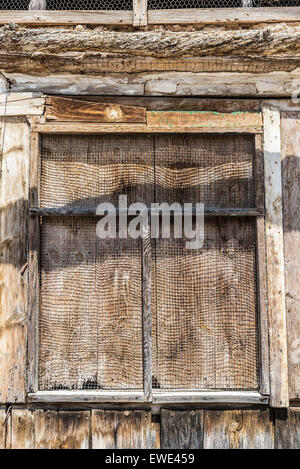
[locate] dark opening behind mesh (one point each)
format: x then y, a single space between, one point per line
203 302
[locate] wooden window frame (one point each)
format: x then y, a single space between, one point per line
159 122
140 16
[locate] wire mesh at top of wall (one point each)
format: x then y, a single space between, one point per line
14 4
176 4
89 5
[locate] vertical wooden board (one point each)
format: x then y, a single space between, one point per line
22 429
13 253
123 430
62 430
4 429
238 429
290 135
140 13
275 259
287 429
181 429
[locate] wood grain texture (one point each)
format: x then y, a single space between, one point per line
287 429
181 429
275 259
22 429
178 16
238 429
66 109
62 430
264 42
123 430
290 131
13 278
140 13
204 119
4 430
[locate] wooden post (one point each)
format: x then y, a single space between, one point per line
13 251
275 259
147 324
37 5
140 15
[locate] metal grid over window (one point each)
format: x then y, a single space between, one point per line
204 313
174 4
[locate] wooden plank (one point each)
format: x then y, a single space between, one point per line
224 15
204 119
84 396
287 429
13 97
62 430
262 307
275 259
4 429
290 128
176 103
107 17
91 211
238 429
33 263
37 5
181 429
178 16
13 241
219 397
123 430
137 128
147 323
22 429
67 109
140 13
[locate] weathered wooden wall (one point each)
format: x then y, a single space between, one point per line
134 429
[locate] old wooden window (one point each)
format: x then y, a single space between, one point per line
149 319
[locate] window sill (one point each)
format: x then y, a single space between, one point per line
224 397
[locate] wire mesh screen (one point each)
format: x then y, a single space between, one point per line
216 170
14 4
204 310
174 4
89 169
152 4
90 308
203 301
89 4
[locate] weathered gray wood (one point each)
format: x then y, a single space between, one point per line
238 429
62 430
123 430
4 429
22 429
33 263
91 211
181 429
218 397
13 241
140 13
37 5
287 429
290 128
275 259
86 396
147 323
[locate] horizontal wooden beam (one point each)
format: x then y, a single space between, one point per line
86 396
220 397
42 17
224 15
22 104
91 211
68 109
204 119
177 16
